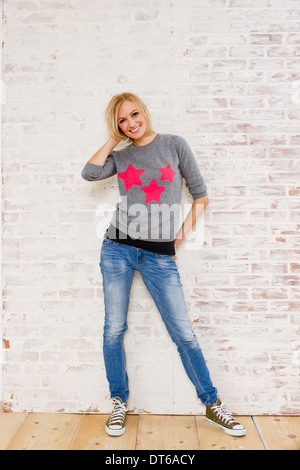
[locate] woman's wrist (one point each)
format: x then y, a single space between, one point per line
113 142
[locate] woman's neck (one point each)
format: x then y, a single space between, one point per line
146 139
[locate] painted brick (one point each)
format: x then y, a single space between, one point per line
224 74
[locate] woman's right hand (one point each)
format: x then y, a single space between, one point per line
101 155
114 141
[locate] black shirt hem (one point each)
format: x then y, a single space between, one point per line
164 248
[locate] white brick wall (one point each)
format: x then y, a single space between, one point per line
225 75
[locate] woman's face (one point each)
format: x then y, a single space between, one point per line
131 120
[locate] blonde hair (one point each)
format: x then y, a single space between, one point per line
111 114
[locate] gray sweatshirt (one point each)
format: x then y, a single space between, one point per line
150 186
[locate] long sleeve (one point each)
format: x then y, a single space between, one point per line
190 170
92 172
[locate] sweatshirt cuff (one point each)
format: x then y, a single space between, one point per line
91 172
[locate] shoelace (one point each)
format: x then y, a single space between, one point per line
223 414
119 413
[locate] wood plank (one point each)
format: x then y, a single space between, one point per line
213 438
167 432
279 432
9 425
46 431
92 434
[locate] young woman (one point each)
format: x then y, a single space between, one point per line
143 236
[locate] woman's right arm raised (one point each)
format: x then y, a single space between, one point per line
100 157
100 166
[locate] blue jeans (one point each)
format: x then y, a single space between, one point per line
160 274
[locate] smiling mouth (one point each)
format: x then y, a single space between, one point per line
134 131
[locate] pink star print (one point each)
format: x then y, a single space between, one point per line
131 176
153 191
167 173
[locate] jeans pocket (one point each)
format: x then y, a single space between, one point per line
109 242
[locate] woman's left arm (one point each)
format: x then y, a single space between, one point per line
196 210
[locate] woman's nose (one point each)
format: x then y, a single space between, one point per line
131 122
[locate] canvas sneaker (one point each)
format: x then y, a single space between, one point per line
115 425
219 416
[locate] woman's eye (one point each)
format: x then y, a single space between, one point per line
133 114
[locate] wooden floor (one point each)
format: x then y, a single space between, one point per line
46 431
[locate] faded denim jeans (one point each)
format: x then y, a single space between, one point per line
160 274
